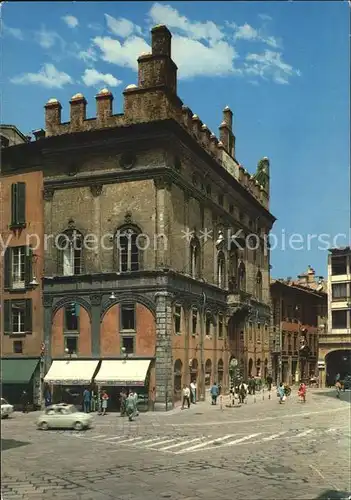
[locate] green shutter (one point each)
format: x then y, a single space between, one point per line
7 317
28 316
7 268
13 204
21 203
28 265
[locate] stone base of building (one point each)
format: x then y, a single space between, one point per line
163 406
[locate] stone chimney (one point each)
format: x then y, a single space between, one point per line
78 111
104 100
226 132
311 273
158 69
52 116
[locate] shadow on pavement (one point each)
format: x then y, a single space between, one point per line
334 495
7 444
344 396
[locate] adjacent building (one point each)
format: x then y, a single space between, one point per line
299 311
335 339
156 256
22 233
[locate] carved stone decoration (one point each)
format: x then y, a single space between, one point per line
163 182
47 301
71 224
72 169
48 194
127 160
96 189
95 300
128 217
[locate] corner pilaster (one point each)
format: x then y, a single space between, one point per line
164 355
47 303
95 301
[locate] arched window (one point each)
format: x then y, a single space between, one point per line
194 368
178 369
70 252
250 367
4 141
259 285
233 268
258 368
208 372
242 277
194 258
209 322
128 249
221 269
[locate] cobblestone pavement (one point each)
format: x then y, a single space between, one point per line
261 450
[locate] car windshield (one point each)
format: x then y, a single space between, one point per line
71 409
3 401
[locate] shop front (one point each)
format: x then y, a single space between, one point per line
116 375
19 375
67 379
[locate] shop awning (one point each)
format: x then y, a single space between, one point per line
17 371
126 372
71 372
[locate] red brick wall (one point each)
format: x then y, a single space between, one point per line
145 332
84 339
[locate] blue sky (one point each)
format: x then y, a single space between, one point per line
282 67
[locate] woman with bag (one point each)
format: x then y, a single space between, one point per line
281 393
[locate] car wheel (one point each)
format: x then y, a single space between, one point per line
78 426
43 426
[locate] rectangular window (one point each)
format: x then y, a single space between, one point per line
339 319
128 317
194 322
339 291
220 199
72 257
339 265
18 347
128 344
208 325
220 327
18 316
71 345
177 319
18 205
18 267
72 317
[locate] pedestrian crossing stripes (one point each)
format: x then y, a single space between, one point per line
178 445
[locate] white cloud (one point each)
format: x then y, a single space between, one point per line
71 21
121 27
123 54
165 14
247 32
195 59
88 56
48 77
15 32
265 17
48 39
93 78
270 65
95 26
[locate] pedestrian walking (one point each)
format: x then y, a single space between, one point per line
122 400
136 399
214 393
93 401
269 381
25 402
242 392
193 389
130 406
252 385
338 388
281 393
186 396
302 392
86 400
104 402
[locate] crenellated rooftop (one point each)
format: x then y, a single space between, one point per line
155 98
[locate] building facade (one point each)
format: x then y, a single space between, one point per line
156 238
10 136
299 310
335 339
22 232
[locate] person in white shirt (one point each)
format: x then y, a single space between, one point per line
186 396
193 392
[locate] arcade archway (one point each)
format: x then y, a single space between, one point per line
337 362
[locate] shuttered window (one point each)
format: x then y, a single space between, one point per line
18 205
18 267
18 317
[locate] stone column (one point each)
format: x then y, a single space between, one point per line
187 324
95 301
164 355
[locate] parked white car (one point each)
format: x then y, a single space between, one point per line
62 416
6 408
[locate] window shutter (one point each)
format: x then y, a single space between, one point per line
21 202
28 269
7 268
28 317
13 204
7 317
